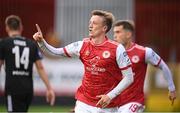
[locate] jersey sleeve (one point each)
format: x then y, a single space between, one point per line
38 54
73 49
151 57
155 59
122 58
70 50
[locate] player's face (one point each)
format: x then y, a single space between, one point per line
120 35
96 26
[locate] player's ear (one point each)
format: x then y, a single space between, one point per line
129 34
21 28
105 28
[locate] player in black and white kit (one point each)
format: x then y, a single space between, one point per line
18 54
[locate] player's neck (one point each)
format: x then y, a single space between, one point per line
128 44
14 33
99 40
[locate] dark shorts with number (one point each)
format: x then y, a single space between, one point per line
18 102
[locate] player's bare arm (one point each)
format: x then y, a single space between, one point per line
50 95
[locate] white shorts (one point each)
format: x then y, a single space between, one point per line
81 107
132 107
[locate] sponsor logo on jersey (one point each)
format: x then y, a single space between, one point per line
135 59
94 69
94 61
106 54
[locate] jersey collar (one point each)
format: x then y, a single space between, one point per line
131 46
106 39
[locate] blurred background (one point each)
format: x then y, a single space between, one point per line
65 21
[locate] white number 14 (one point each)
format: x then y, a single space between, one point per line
23 59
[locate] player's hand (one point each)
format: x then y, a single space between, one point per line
38 36
50 96
172 96
104 100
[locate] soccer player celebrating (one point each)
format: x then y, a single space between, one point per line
107 67
18 54
131 100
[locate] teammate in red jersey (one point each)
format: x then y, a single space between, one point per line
107 66
132 99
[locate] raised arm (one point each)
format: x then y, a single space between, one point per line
45 47
71 50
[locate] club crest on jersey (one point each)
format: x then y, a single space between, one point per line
106 54
135 59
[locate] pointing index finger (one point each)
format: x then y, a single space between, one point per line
38 28
98 103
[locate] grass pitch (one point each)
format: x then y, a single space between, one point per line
49 109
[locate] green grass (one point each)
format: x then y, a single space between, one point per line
40 108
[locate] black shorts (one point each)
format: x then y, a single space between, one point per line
18 102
